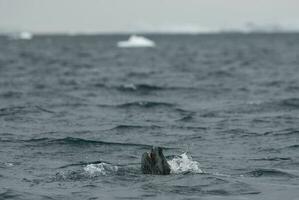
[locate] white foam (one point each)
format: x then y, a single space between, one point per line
100 169
130 86
8 164
183 163
136 41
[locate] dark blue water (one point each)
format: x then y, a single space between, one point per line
76 114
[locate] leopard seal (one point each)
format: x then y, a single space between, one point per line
154 162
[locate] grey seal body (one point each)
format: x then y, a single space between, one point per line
155 162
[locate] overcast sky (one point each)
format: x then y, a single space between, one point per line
144 15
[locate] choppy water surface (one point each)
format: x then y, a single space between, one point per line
77 113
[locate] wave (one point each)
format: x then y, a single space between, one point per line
152 127
220 74
140 74
81 164
130 127
272 159
15 110
99 85
291 102
266 106
183 164
10 194
139 87
141 104
270 173
146 104
209 115
295 146
186 118
11 94
6 165
12 110
100 169
89 171
284 132
79 142
288 103
292 88
44 110
192 128
200 190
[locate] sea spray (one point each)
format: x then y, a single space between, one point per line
183 163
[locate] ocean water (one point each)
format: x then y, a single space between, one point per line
77 113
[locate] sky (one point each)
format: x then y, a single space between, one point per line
89 16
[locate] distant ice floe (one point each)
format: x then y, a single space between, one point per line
26 36
21 36
100 169
183 163
136 41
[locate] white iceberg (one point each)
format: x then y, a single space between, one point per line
21 36
26 35
136 41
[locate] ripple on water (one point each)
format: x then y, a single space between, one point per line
270 173
77 142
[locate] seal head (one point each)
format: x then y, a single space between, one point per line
155 162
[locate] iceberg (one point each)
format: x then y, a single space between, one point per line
26 36
136 41
21 36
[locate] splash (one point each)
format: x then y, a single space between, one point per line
183 163
100 169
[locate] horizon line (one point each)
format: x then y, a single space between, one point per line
77 33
